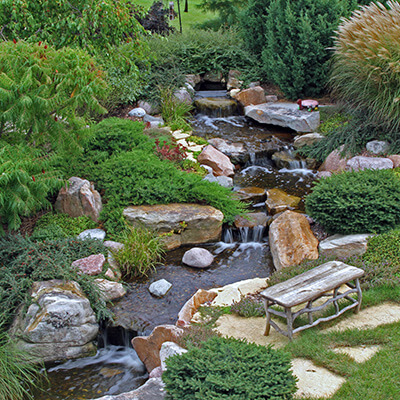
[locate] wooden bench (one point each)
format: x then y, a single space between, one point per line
322 281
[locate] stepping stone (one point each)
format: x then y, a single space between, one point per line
359 354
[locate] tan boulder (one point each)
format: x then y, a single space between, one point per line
291 240
251 194
188 223
278 201
334 162
191 306
395 159
148 347
218 161
251 96
252 220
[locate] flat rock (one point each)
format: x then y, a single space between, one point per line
342 246
92 265
252 220
252 96
278 201
287 115
216 106
251 194
359 354
160 288
202 223
307 140
291 240
97 234
110 290
359 163
198 258
169 349
219 162
229 149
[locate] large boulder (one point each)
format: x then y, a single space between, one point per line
198 258
378 147
251 96
78 197
169 349
216 106
59 324
278 201
219 162
335 162
251 194
92 265
252 220
395 159
307 140
148 347
233 80
184 95
192 223
359 163
235 151
287 115
110 290
341 246
291 240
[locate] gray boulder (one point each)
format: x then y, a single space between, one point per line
78 197
97 234
59 324
160 288
198 258
377 147
184 95
137 112
341 246
307 140
284 114
169 349
154 122
359 163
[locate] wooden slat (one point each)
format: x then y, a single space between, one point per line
312 283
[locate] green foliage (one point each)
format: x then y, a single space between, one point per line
227 10
24 261
26 179
58 226
227 368
298 35
96 25
248 307
19 371
365 65
331 122
141 253
47 94
344 203
195 335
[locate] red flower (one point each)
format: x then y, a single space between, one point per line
45 46
33 178
40 43
55 119
14 41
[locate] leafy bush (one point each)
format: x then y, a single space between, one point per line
344 203
156 20
96 25
26 179
23 261
195 335
298 35
227 368
19 370
47 94
227 11
141 253
58 226
171 152
365 63
248 307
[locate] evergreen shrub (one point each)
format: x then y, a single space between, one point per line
356 202
298 35
227 368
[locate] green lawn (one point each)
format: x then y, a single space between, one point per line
193 16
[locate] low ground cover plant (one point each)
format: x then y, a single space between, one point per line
345 202
248 307
227 368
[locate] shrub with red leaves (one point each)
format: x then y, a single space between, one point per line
172 152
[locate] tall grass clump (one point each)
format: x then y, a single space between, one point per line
366 69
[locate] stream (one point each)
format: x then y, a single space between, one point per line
242 254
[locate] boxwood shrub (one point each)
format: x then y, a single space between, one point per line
227 368
356 202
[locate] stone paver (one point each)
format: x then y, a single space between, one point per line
359 354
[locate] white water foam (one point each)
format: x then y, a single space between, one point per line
210 121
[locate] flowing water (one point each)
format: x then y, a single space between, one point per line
242 254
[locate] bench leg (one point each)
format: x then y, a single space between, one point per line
268 315
289 318
359 296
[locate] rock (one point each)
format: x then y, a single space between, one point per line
278 201
307 140
137 112
254 84
92 265
110 290
153 122
284 114
359 163
291 240
169 349
395 159
213 76
160 288
221 180
180 135
190 88
97 234
193 79
150 108
233 93
113 246
216 106
78 198
233 80
198 258
148 347
153 389
183 95
377 147
341 246
59 324
335 162
323 174
252 220
208 168
203 223
228 149
191 306
285 159
271 98
226 297
219 162
157 372
251 96
171 242
251 194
